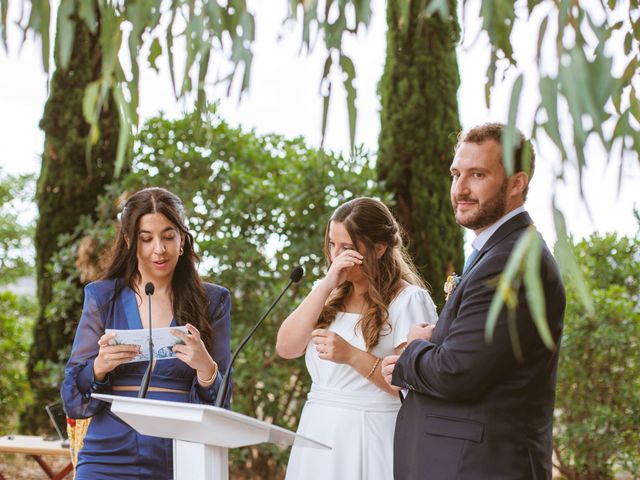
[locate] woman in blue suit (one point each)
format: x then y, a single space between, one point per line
153 245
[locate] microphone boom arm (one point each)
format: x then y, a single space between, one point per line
222 393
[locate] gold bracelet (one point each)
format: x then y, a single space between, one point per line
373 369
210 381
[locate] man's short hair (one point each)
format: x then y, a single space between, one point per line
493 131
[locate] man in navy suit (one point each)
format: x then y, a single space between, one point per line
474 410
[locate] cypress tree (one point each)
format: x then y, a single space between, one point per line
68 188
419 123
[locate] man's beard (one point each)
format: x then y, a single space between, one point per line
490 211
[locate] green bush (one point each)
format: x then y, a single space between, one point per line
15 234
258 205
16 312
16 321
598 399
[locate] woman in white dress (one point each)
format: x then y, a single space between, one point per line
361 311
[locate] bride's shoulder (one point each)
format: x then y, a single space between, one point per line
409 292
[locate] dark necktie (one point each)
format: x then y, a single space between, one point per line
469 261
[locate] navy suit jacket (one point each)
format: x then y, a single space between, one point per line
473 411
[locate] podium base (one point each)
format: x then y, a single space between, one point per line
196 460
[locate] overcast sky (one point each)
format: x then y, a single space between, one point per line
284 98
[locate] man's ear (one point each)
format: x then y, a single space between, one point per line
519 183
380 249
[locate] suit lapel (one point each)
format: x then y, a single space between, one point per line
450 309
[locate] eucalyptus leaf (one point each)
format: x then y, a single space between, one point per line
603 83
349 69
510 138
498 17
622 127
573 92
549 95
512 327
87 13
90 102
214 11
246 75
125 133
567 261
630 71
65 31
170 54
39 20
201 99
155 51
333 32
628 38
363 11
193 32
439 6
508 282
541 35
563 19
634 104
582 84
535 291
326 97
491 76
110 38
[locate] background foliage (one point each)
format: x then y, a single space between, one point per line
17 312
16 320
598 398
15 228
258 205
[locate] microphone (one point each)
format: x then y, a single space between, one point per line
144 386
295 277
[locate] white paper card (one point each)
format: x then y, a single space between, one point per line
163 341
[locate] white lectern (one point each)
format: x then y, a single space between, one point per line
201 433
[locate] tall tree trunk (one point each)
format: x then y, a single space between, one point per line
419 122
68 188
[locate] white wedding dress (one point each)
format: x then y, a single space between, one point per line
348 412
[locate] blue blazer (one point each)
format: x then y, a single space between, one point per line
473 411
111 448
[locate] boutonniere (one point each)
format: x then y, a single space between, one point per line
450 285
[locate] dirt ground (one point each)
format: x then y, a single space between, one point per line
23 467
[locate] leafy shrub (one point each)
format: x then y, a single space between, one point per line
16 318
15 234
257 205
598 400
16 312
